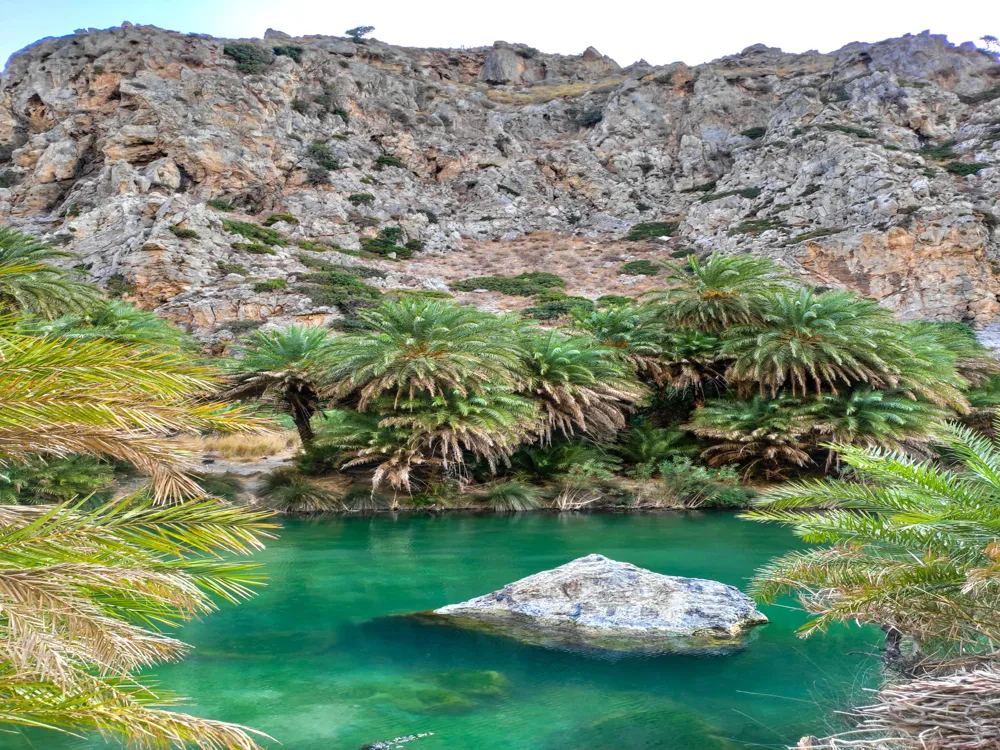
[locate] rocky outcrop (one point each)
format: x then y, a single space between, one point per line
874 167
596 602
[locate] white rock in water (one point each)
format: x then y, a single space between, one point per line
605 604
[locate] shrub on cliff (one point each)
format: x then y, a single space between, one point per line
249 57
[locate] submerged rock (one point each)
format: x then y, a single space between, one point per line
600 603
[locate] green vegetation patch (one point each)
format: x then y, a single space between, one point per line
859 132
220 204
614 300
964 169
940 151
254 232
323 156
812 235
388 160
361 199
983 96
756 226
275 218
553 305
228 268
754 133
705 187
249 57
288 50
271 285
522 285
184 234
652 229
254 248
640 268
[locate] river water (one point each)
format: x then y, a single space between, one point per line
317 662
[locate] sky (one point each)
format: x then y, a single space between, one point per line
659 31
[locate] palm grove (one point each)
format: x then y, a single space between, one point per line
733 371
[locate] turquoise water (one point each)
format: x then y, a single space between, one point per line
315 662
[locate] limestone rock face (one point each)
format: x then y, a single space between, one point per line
598 602
875 167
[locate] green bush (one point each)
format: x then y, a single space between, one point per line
640 268
220 204
6 152
812 235
275 218
754 133
652 229
254 248
414 246
249 57
358 32
983 96
232 268
7 178
859 132
254 232
271 285
522 285
184 234
388 160
51 480
940 151
317 175
118 286
551 306
323 156
288 50
614 300
960 168
313 246
361 199
703 487
756 226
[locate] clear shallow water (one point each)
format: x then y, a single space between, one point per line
314 661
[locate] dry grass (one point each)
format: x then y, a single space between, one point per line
247 447
540 94
589 266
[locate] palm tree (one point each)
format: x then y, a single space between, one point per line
807 340
579 385
646 445
759 432
430 432
287 490
419 346
30 283
119 321
718 292
288 367
634 333
60 396
931 361
875 419
913 545
85 595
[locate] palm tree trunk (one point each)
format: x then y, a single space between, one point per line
302 411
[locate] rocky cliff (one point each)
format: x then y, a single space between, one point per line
875 167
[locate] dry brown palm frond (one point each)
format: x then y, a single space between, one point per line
952 711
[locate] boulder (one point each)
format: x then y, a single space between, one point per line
598 603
